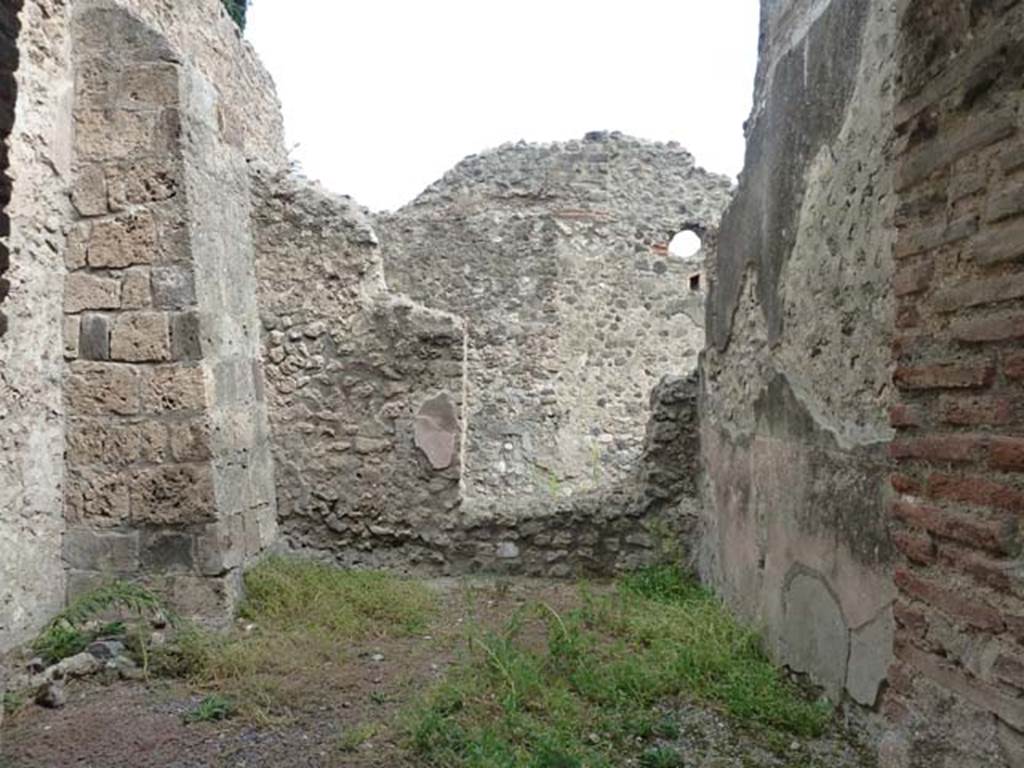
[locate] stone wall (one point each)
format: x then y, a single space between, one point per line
169 468
958 689
796 376
556 256
31 401
365 386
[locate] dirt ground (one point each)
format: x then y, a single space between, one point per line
353 721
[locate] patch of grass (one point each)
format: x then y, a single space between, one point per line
661 757
211 709
352 739
13 702
305 616
587 694
295 594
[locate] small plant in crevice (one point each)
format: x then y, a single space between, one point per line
211 709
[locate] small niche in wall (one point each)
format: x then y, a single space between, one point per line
685 245
695 283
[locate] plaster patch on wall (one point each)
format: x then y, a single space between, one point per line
436 430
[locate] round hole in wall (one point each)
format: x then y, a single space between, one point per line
685 245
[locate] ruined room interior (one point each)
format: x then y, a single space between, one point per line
288 481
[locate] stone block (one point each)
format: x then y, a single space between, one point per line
207 600
220 547
173 494
142 181
135 289
172 389
97 441
89 191
85 291
96 498
112 552
102 135
99 389
94 337
141 337
74 251
147 87
124 241
174 287
190 440
72 326
162 551
185 339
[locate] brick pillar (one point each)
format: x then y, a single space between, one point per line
958 489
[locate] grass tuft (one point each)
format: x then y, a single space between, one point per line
587 696
211 709
304 615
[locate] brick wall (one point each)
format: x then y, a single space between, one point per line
958 485
9 28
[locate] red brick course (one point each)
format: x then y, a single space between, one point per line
958 455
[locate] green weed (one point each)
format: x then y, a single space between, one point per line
588 694
71 630
211 709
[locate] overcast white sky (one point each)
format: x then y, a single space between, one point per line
381 97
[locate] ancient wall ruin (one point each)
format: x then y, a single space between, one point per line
464 384
556 256
132 320
860 403
796 376
201 343
357 377
169 468
385 409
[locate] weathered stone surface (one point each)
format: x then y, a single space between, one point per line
557 257
173 389
797 374
173 494
135 289
97 498
96 389
173 287
109 552
86 291
871 655
98 441
122 242
141 337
